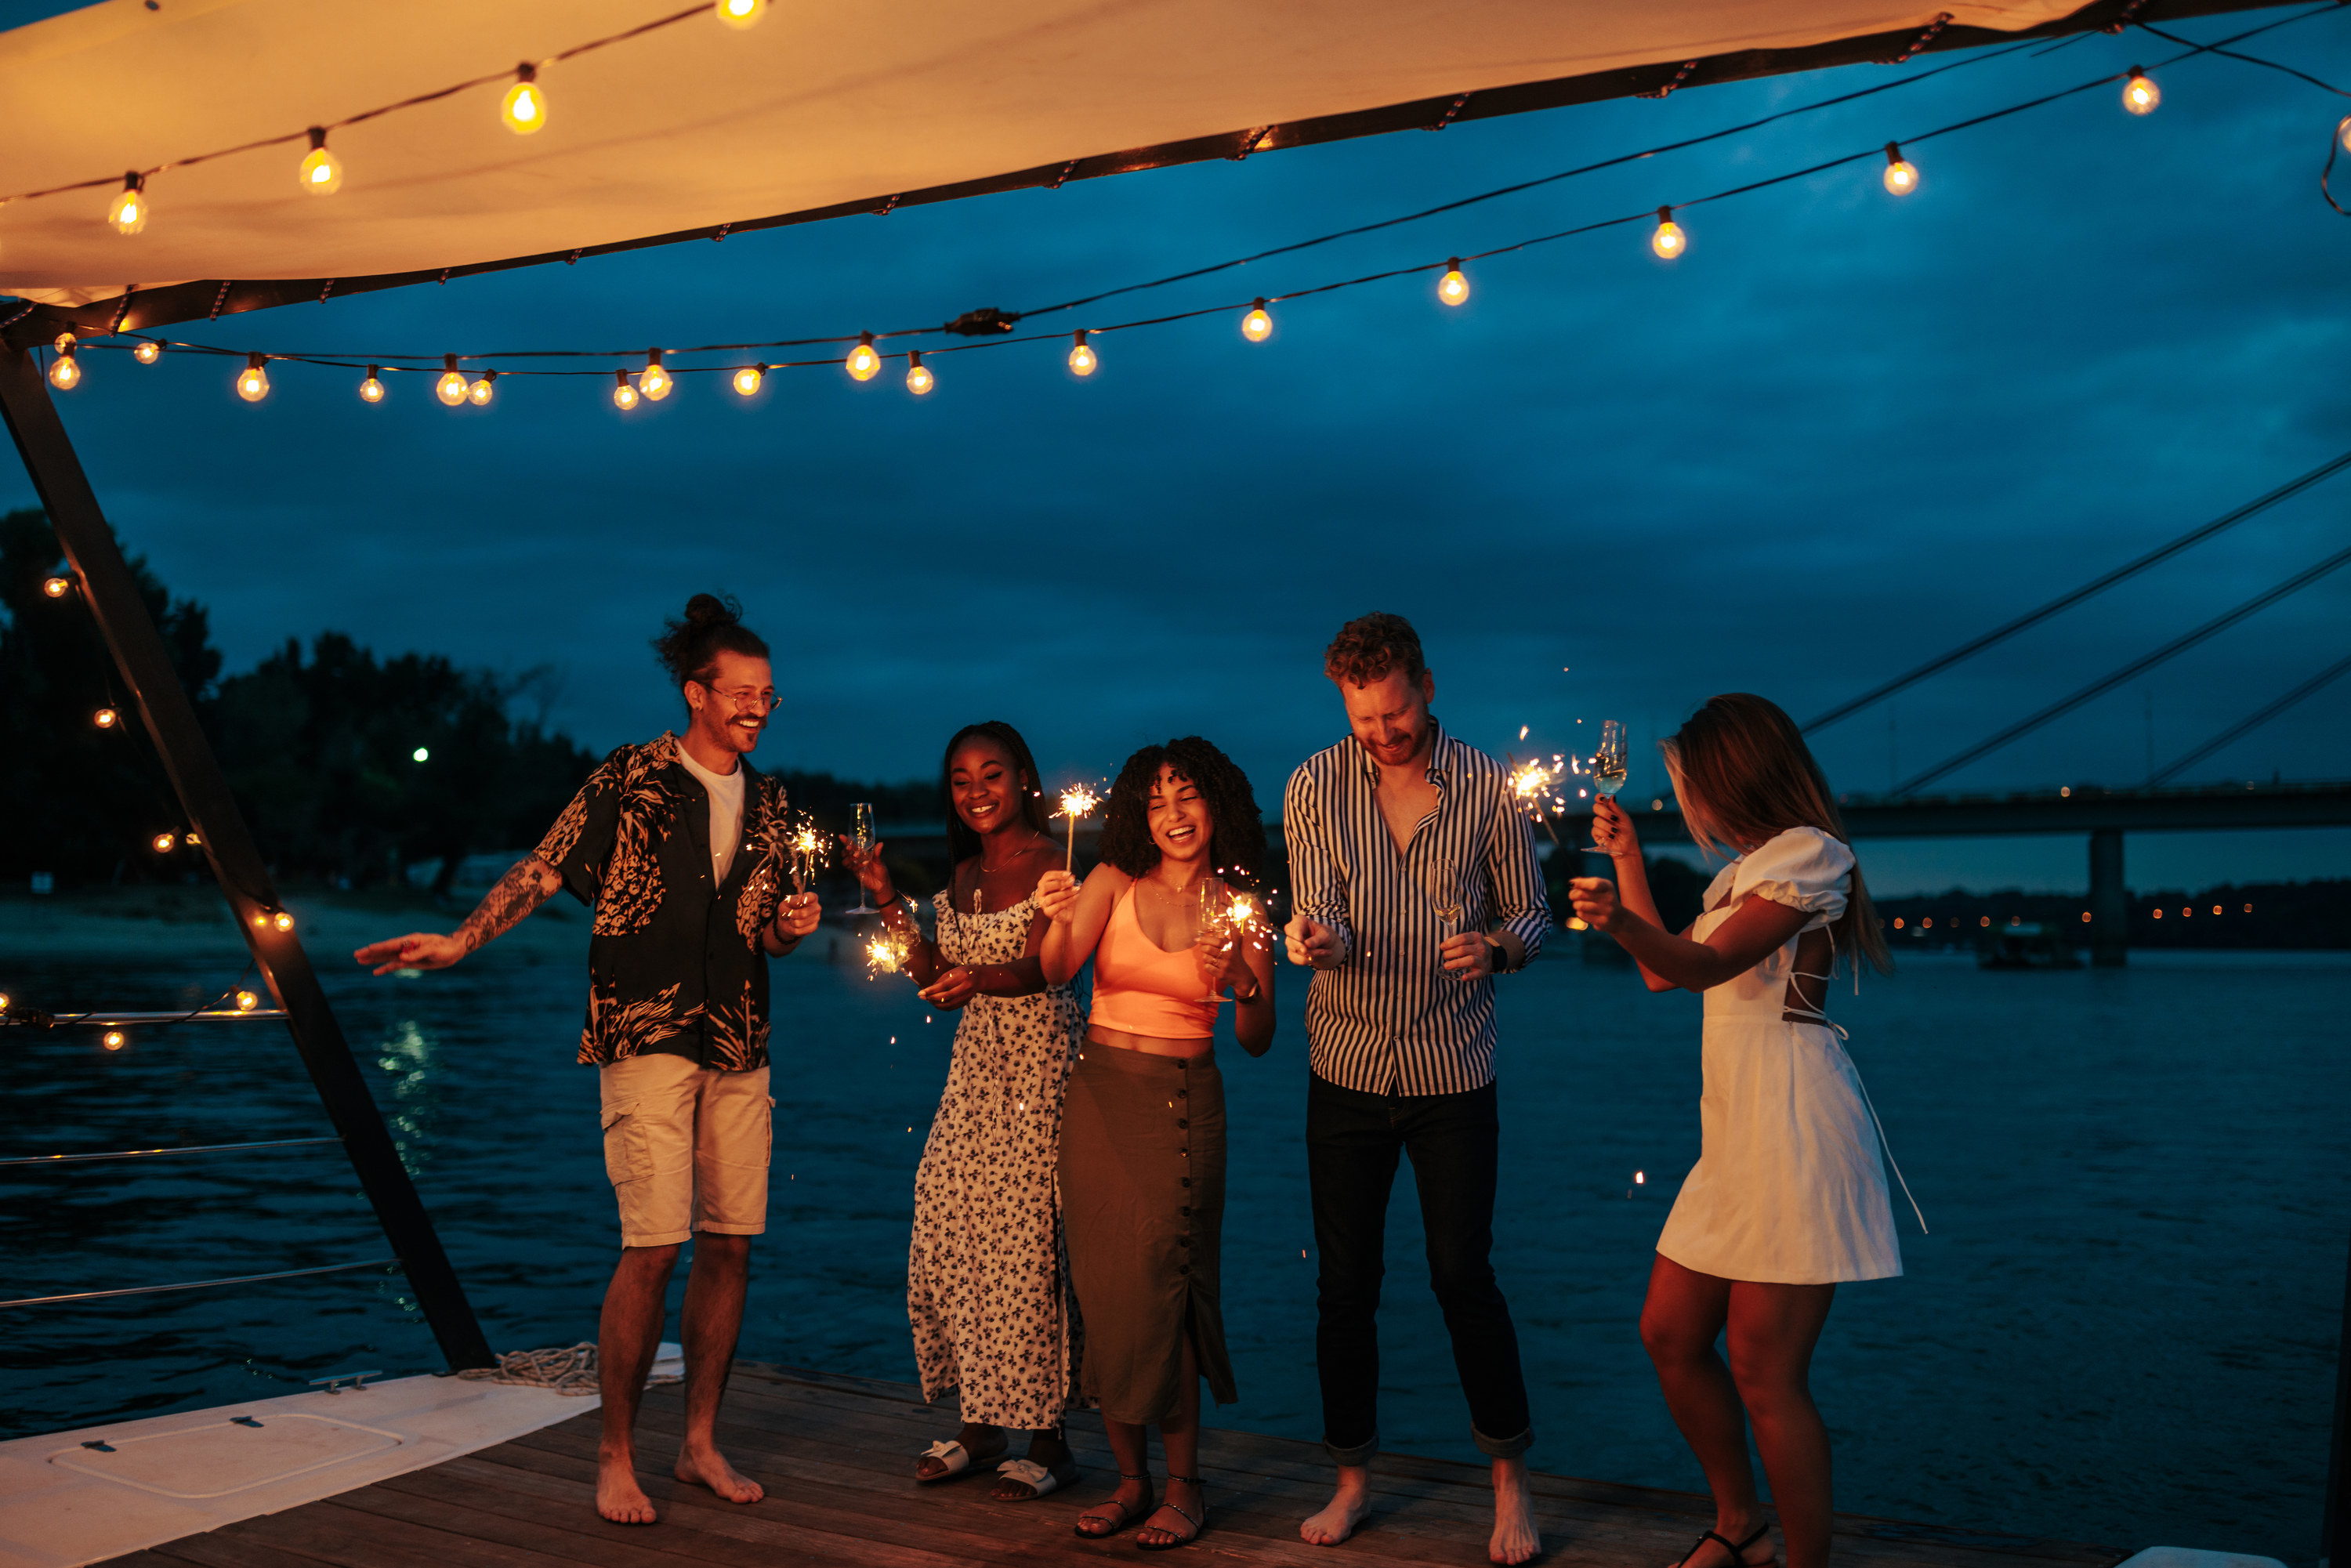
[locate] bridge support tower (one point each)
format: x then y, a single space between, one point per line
2109 903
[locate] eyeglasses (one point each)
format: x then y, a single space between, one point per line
764 698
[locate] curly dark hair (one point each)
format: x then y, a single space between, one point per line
689 649
962 842
1237 842
1369 647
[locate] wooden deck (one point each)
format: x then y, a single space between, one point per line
836 1455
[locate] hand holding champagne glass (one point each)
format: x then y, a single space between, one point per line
1608 775
863 852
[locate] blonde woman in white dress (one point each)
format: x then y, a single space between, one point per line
1788 1199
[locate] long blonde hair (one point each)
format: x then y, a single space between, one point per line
1744 775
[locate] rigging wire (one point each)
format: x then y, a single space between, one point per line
2310 687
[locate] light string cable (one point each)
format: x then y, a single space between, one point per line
27 1017
2338 140
506 74
355 362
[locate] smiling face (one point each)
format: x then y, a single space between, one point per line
1390 717
986 785
1178 819
731 709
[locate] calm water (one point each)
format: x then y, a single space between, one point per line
2123 1328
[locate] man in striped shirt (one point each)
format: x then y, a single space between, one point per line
1414 883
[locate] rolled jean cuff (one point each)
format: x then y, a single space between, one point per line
1502 1448
1361 1454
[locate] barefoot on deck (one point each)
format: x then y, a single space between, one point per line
619 1498
1516 1539
710 1470
1339 1517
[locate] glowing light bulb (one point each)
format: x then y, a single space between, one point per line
451 388
129 214
863 362
739 12
2140 95
113 1040
283 921
4 1001
247 1001
624 396
321 173
1083 361
105 718
1453 289
1669 241
371 389
148 353
654 381
1901 178
64 373
525 108
192 840
479 393
919 379
56 586
748 379
164 842
253 382
2343 133
422 754
64 342
1256 326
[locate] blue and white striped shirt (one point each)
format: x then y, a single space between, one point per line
1390 1018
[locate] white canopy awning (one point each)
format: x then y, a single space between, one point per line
698 125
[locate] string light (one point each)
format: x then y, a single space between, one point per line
525 108
105 718
253 384
371 389
114 1040
2343 133
479 394
919 379
247 1001
56 586
4 1001
746 380
654 381
1256 326
283 921
1083 361
147 353
129 214
1453 288
2140 95
624 396
862 361
191 840
321 173
65 375
1901 177
1669 241
740 13
164 842
451 388
64 342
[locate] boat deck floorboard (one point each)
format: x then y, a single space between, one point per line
836 1454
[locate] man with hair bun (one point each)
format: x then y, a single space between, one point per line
1414 883
681 846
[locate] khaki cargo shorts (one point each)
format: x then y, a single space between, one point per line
687 1148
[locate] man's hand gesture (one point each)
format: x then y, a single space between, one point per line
1311 944
417 950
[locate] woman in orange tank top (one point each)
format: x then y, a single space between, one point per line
1172 930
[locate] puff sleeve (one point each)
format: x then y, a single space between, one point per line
1803 868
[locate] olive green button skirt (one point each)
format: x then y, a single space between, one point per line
1143 1205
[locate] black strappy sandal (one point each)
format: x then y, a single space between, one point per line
1197 1525
1737 1550
1125 1514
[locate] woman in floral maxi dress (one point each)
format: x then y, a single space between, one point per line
987 1283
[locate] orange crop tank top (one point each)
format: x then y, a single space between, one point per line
1140 987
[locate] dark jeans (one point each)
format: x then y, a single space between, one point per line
1353 1140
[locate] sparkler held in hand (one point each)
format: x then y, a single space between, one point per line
887 952
1534 788
1077 801
807 847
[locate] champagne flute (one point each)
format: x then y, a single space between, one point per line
1445 897
1608 767
861 835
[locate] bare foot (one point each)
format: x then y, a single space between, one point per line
1345 1510
709 1467
619 1498
1516 1539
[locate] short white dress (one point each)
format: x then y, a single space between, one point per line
1789 1188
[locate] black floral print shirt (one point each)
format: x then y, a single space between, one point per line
674 964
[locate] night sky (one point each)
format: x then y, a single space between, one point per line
1843 432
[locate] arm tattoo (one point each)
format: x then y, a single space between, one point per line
518 893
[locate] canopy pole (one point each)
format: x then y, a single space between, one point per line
112 595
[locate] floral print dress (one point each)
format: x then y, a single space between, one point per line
988 1288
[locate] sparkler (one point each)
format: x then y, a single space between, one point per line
807 846
886 953
1077 801
1534 789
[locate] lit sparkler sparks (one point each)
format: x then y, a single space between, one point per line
1076 801
887 953
1535 790
808 848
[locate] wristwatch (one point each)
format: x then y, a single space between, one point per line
1501 956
